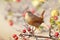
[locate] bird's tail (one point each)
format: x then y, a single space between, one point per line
42 15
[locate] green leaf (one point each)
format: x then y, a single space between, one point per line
41 27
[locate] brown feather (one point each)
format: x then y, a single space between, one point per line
33 19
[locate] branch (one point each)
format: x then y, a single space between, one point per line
34 36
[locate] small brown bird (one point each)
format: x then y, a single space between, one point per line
34 20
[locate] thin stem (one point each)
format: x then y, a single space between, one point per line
34 36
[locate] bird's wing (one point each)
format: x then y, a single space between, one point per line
34 17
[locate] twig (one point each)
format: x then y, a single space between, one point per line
34 36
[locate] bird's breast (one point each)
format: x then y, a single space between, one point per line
27 18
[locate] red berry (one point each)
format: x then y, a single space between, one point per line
24 31
16 38
11 23
18 0
29 29
56 17
56 34
14 35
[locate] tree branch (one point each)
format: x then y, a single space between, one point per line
34 36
